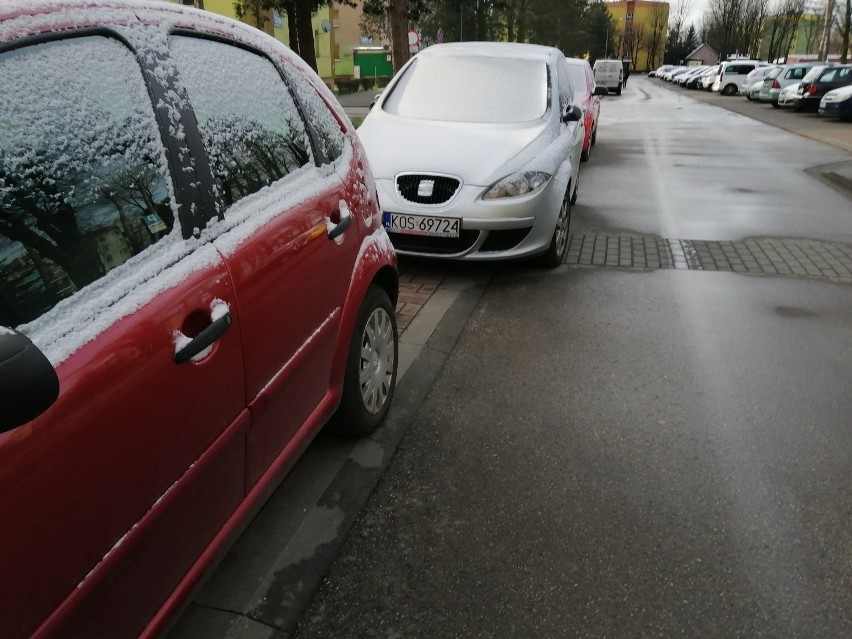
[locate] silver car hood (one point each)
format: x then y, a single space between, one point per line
480 154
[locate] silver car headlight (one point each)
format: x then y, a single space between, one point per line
520 183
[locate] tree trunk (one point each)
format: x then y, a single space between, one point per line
292 28
306 33
844 56
825 42
522 21
398 20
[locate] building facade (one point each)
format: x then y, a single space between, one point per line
803 37
640 32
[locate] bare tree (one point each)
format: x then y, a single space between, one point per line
811 31
677 17
635 42
753 16
825 41
733 26
656 38
783 27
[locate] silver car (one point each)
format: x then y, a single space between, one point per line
787 96
781 77
475 148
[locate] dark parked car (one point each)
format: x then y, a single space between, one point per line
837 103
816 86
194 279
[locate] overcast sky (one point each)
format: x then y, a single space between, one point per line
697 11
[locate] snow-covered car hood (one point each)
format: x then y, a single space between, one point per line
480 154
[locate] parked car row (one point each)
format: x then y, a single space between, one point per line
728 78
811 86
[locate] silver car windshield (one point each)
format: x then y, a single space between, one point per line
471 89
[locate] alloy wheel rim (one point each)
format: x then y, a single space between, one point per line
378 355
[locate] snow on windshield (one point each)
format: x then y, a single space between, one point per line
471 89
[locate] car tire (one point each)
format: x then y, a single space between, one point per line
618 91
729 89
586 153
368 384
558 249
594 135
775 104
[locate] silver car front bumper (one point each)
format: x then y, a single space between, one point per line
490 229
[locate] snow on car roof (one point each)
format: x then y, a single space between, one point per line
495 49
75 321
21 18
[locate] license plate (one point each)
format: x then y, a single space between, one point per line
422 225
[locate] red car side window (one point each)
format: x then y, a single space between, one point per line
249 123
83 184
327 127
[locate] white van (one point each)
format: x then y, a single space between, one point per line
610 74
732 75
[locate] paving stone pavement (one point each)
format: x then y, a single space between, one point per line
785 257
790 257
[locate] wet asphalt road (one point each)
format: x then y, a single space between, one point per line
632 453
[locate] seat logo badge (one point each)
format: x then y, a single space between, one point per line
425 188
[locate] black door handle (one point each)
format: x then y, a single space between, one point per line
340 228
204 339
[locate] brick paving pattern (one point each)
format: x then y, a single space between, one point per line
788 257
785 257
415 289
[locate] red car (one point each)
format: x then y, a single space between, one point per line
588 97
194 279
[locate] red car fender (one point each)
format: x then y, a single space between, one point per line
376 264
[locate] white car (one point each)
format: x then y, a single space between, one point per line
661 70
708 79
475 148
609 74
754 82
688 75
669 75
787 96
733 73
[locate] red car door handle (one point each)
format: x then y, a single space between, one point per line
204 339
336 229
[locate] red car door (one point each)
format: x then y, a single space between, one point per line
288 237
110 495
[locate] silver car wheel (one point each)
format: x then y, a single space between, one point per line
378 355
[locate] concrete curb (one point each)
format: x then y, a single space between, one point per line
836 174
